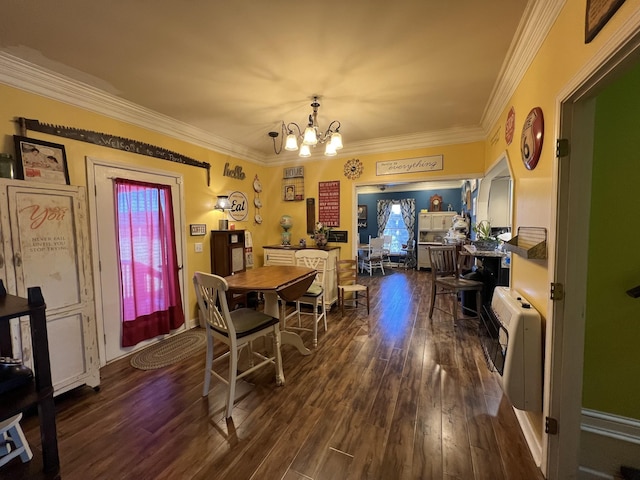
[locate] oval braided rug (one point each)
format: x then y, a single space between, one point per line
170 351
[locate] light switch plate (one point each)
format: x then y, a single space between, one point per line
198 247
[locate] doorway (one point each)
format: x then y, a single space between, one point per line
566 452
102 211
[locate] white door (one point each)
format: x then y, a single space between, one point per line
104 237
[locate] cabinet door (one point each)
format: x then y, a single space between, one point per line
425 221
49 248
275 256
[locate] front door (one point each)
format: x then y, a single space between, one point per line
108 303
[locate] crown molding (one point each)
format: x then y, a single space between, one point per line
26 76
536 22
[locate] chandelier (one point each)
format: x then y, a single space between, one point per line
311 136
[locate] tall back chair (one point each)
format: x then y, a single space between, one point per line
374 256
236 329
445 279
349 290
386 250
315 294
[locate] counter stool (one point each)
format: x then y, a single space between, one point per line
13 441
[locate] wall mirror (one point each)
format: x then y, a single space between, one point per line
495 195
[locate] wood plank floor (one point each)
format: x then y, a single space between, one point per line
409 399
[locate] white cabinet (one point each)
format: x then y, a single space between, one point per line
45 243
432 228
438 221
278 255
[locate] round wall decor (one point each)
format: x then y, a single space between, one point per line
532 137
353 169
239 206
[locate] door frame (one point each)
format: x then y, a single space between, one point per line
572 184
91 163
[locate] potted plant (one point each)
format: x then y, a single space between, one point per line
484 240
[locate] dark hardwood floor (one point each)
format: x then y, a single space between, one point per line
411 399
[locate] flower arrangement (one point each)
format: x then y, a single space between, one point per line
321 234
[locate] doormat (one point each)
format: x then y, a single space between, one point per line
170 351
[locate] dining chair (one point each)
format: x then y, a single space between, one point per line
348 286
374 256
409 255
386 250
236 329
446 279
315 294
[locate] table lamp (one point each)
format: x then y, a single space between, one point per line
222 203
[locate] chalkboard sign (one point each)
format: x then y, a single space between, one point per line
338 236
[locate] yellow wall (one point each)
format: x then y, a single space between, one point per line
561 58
199 198
459 161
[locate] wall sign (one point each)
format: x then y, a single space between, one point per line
236 173
532 137
198 229
293 172
329 203
338 236
510 126
111 141
410 165
239 206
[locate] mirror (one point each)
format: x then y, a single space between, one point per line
495 195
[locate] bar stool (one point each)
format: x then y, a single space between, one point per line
11 433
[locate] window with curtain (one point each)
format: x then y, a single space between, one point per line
397 218
149 282
396 228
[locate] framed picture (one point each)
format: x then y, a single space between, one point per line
289 193
40 161
362 216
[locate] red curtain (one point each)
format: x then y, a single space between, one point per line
148 262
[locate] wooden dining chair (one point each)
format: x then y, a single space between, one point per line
236 329
446 279
349 290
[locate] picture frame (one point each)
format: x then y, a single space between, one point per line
289 193
598 13
362 216
40 161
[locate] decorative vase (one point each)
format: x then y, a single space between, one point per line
320 239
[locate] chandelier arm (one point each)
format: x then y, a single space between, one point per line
275 135
289 128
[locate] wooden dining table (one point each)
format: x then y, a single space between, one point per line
276 281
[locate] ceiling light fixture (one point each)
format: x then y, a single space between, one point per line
311 136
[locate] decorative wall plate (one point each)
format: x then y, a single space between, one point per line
353 169
257 202
532 137
258 219
257 186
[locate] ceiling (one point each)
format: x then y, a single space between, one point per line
393 73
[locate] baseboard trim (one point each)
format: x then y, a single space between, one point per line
607 442
533 441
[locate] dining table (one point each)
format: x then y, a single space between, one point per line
285 282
